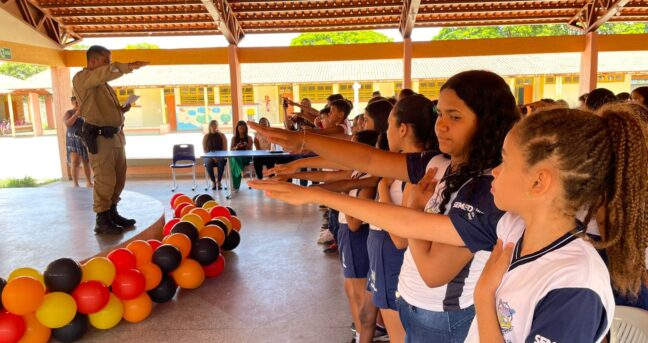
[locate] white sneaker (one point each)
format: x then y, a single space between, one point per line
326 236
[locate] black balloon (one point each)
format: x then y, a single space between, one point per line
167 257
231 210
73 331
193 199
202 199
218 223
62 275
164 291
232 241
3 283
205 251
187 228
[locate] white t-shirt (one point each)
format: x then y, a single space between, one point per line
559 294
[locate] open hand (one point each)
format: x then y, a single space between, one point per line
281 169
286 191
138 64
289 140
421 193
126 108
497 265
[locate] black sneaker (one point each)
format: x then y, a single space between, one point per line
331 249
119 220
104 225
380 335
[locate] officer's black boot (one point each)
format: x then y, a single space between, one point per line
106 226
119 220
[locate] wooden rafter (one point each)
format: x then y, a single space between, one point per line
596 13
408 17
225 19
39 18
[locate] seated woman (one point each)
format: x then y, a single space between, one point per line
215 141
240 141
262 143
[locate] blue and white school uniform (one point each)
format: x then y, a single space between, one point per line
561 293
385 259
353 244
444 313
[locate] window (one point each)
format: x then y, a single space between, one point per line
611 78
285 88
123 94
168 91
523 81
571 79
226 95
248 95
550 80
192 96
316 92
431 88
364 93
398 87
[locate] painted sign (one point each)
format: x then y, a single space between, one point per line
194 117
5 53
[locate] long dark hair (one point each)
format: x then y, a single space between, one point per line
379 112
418 111
643 91
490 98
237 137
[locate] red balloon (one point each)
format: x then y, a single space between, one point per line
220 211
154 243
12 327
91 296
175 196
178 210
128 284
123 259
169 225
216 268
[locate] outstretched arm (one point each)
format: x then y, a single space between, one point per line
356 156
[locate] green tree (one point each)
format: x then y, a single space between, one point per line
79 47
335 38
453 33
21 70
142 45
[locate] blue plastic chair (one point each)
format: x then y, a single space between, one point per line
183 153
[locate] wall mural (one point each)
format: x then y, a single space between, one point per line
193 117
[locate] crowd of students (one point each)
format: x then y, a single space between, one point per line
463 219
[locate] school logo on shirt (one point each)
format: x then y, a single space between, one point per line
372 281
540 339
505 316
470 209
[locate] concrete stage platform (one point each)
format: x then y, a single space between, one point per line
39 225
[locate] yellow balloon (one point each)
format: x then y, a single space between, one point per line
109 316
100 269
58 310
35 332
194 219
31 272
210 204
227 222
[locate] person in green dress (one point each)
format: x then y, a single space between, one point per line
240 141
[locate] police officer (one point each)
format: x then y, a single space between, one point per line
103 133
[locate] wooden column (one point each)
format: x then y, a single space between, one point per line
407 63
12 117
61 93
589 64
235 81
34 109
49 108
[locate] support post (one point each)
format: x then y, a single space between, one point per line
12 117
61 93
236 87
589 64
407 63
34 109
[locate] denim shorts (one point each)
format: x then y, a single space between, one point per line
430 326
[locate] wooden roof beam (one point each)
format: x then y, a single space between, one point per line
596 13
225 19
287 6
41 19
408 17
121 12
67 4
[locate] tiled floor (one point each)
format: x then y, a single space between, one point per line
277 285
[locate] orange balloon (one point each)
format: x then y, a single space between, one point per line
142 251
202 213
152 274
236 223
180 241
227 222
194 219
214 232
35 332
185 210
182 199
23 295
138 309
189 274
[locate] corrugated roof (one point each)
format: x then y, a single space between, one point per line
7 83
349 71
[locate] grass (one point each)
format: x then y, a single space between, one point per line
26 181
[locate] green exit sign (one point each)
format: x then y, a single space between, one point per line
5 54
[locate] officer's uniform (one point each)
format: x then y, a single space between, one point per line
100 107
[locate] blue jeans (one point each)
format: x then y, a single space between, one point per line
219 163
430 326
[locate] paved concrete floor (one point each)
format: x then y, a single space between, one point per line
277 285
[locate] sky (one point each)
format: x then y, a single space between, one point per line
252 40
